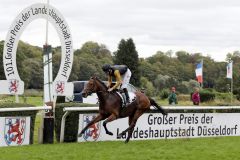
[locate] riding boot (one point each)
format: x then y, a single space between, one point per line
127 95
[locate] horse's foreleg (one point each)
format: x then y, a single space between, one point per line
95 120
111 118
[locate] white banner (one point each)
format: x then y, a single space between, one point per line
12 86
157 126
62 88
26 16
14 131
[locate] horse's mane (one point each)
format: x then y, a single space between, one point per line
101 82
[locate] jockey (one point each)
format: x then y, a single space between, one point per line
122 75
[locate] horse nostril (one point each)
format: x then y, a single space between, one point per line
84 94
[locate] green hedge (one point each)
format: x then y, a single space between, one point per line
206 95
71 124
164 94
32 114
223 96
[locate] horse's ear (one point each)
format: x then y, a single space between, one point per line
94 76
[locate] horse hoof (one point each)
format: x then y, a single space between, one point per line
110 133
119 136
126 141
165 113
80 135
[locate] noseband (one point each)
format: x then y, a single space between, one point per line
91 90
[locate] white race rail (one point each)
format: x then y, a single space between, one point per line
25 109
67 110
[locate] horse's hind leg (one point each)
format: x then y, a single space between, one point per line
130 118
130 130
95 120
137 114
111 118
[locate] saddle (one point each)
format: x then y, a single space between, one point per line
122 95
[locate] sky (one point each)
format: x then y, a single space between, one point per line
210 27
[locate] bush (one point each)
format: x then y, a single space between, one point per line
164 94
209 89
237 93
32 114
206 96
223 96
71 124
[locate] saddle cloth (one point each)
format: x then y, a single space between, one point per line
121 94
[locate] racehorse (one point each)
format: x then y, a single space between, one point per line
110 107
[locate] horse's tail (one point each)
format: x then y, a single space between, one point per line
153 103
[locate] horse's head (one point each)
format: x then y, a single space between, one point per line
94 85
90 87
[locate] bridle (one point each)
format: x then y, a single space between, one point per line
92 89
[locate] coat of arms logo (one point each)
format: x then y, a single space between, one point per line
14 132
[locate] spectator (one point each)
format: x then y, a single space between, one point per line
196 97
172 98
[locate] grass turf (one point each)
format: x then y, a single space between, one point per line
224 148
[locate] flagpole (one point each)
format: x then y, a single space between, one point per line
232 84
202 75
230 75
231 90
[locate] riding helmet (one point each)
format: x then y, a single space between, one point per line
106 67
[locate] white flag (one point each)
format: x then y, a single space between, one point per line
229 70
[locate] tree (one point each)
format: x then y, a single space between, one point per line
147 86
160 82
32 74
90 48
127 54
183 56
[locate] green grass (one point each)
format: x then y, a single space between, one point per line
37 101
36 128
224 148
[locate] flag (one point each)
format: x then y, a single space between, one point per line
199 72
229 70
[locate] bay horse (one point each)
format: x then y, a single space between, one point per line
110 107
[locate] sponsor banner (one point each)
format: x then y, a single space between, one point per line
157 126
11 86
14 131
